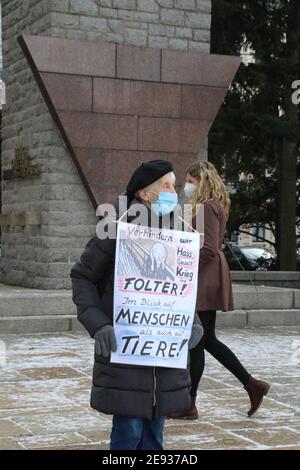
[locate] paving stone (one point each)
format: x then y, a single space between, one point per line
217 440
59 367
272 436
61 421
29 412
51 373
97 435
39 442
10 444
10 429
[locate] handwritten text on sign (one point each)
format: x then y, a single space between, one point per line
156 273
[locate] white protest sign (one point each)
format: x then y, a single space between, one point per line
156 273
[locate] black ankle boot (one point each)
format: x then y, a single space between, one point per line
190 414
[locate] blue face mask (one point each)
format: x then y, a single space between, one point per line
165 203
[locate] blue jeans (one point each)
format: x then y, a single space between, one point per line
137 433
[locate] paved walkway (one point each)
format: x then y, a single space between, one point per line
45 387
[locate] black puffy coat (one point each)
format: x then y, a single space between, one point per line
119 389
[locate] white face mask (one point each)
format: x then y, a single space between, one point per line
189 189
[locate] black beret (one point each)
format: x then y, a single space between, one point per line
146 174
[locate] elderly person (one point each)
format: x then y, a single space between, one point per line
138 397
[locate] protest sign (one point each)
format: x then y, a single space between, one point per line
156 273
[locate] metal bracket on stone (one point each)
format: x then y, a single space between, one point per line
21 219
22 166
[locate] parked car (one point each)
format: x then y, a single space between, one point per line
252 258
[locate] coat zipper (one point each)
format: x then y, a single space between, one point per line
154 388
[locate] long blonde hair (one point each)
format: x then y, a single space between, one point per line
210 186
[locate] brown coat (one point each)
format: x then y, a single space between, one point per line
214 280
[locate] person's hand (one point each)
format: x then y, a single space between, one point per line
105 341
196 335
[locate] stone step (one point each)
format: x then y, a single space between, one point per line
21 301
39 324
258 318
235 319
24 310
290 279
36 306
250 297
18 301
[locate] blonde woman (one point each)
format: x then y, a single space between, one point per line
204 185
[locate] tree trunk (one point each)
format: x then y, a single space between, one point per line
288 157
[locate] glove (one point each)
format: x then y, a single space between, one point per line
105 341
197 332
